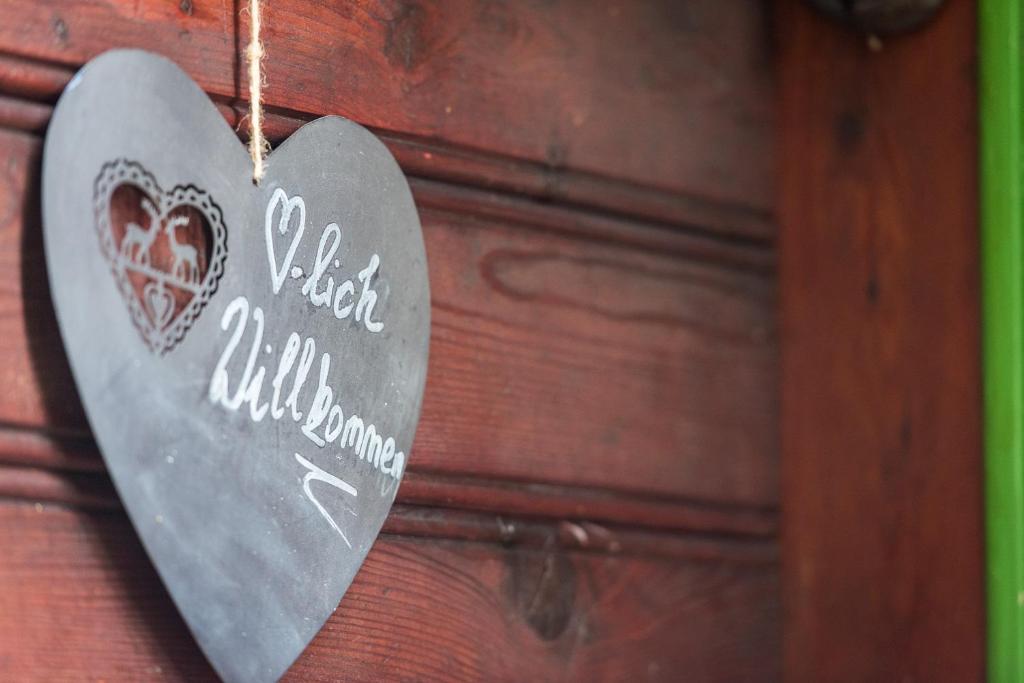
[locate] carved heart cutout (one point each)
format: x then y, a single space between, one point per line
251 358
159 303
166 250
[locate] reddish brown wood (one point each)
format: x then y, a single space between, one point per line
41 466
418 610
23 115
669 95
576 503
31 79
596 365
882 515
35 485
39 83
697 223
73 460
91 492
593 490
525 213
47 450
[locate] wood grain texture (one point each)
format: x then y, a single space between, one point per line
597 365
661 94
43 466
624 212
592 494
93 492
495 188
882 516
28 87
424 611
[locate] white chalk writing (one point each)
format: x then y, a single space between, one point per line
325 421
317 474
322 419
338 298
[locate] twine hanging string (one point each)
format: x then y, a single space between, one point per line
254 54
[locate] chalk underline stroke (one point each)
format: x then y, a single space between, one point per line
317 474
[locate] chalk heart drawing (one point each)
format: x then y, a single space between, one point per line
251 358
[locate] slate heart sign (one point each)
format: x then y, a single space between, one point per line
251 358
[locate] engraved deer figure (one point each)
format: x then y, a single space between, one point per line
137 239
186 266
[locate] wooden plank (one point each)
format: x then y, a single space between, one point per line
502 200
660 94
38 467
95 492
553 358
79 600
882 470
23 115
28 86
41 466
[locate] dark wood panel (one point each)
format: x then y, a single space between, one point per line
593 489
95 492
668 95
43 466
23 115
485 185
28 86
553 358
496 188
882 518
418 610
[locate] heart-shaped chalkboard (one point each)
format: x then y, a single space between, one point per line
251 358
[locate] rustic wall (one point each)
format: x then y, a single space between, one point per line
593 488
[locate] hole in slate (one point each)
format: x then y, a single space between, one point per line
166 250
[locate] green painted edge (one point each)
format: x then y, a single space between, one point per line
1002 252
